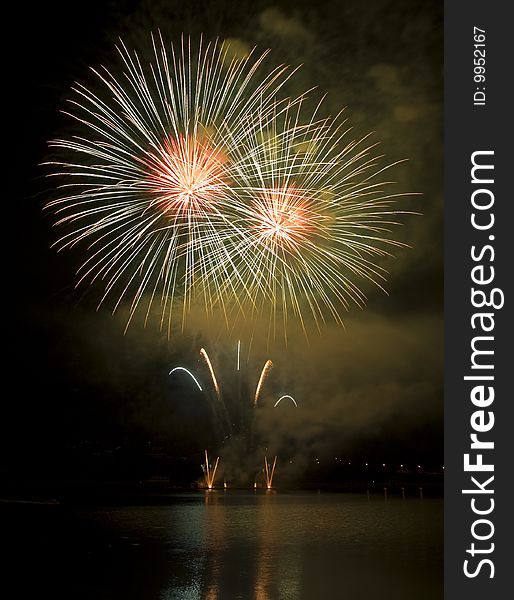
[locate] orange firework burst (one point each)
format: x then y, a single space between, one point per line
187 175
283 216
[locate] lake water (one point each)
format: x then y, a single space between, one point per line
228 546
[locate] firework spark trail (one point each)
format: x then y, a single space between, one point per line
150 187
221 417
264 373
288 397
220 401
238 354
269 472
209 471
190 375
207 360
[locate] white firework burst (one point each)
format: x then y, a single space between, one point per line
149 186
189 180
316 218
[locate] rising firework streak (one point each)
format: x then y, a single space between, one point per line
269 472
209 471
207 360
264 373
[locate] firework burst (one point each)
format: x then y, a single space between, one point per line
149 186
317 217
191 182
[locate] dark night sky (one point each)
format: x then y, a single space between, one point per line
72 373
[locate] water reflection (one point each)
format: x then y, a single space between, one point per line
240 552
267 546
275 557
233 546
